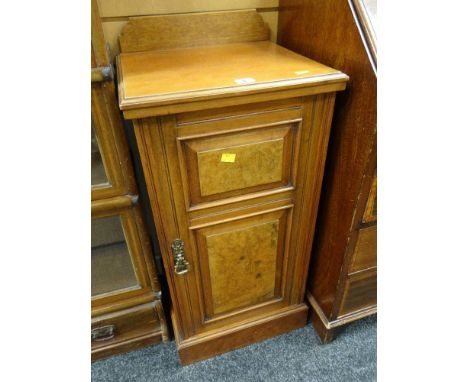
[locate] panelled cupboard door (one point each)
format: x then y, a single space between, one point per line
236 186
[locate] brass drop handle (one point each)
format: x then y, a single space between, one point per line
181 266
103 333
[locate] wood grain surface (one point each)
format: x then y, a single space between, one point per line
161 77
360 292
142 34
370 214
118 15
121 8
365 252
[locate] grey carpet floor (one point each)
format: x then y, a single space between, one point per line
294 356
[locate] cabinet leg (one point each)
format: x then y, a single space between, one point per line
162 320
325 335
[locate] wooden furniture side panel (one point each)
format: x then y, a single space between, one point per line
151 145
326 31
142 34
365 252
319 111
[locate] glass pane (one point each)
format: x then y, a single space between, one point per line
98 172
111 264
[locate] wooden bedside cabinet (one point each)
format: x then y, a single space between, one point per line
232 132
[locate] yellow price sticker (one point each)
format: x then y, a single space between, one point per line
229 158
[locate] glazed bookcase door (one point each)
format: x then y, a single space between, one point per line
118 268
107 170
99 177
126 308
112 268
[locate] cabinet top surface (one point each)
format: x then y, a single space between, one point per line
180 75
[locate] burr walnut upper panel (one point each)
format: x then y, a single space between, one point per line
243 166
226 165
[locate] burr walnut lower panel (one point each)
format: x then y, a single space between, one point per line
242 261
224 340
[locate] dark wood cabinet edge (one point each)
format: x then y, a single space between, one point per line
359 208
325 327
366 30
